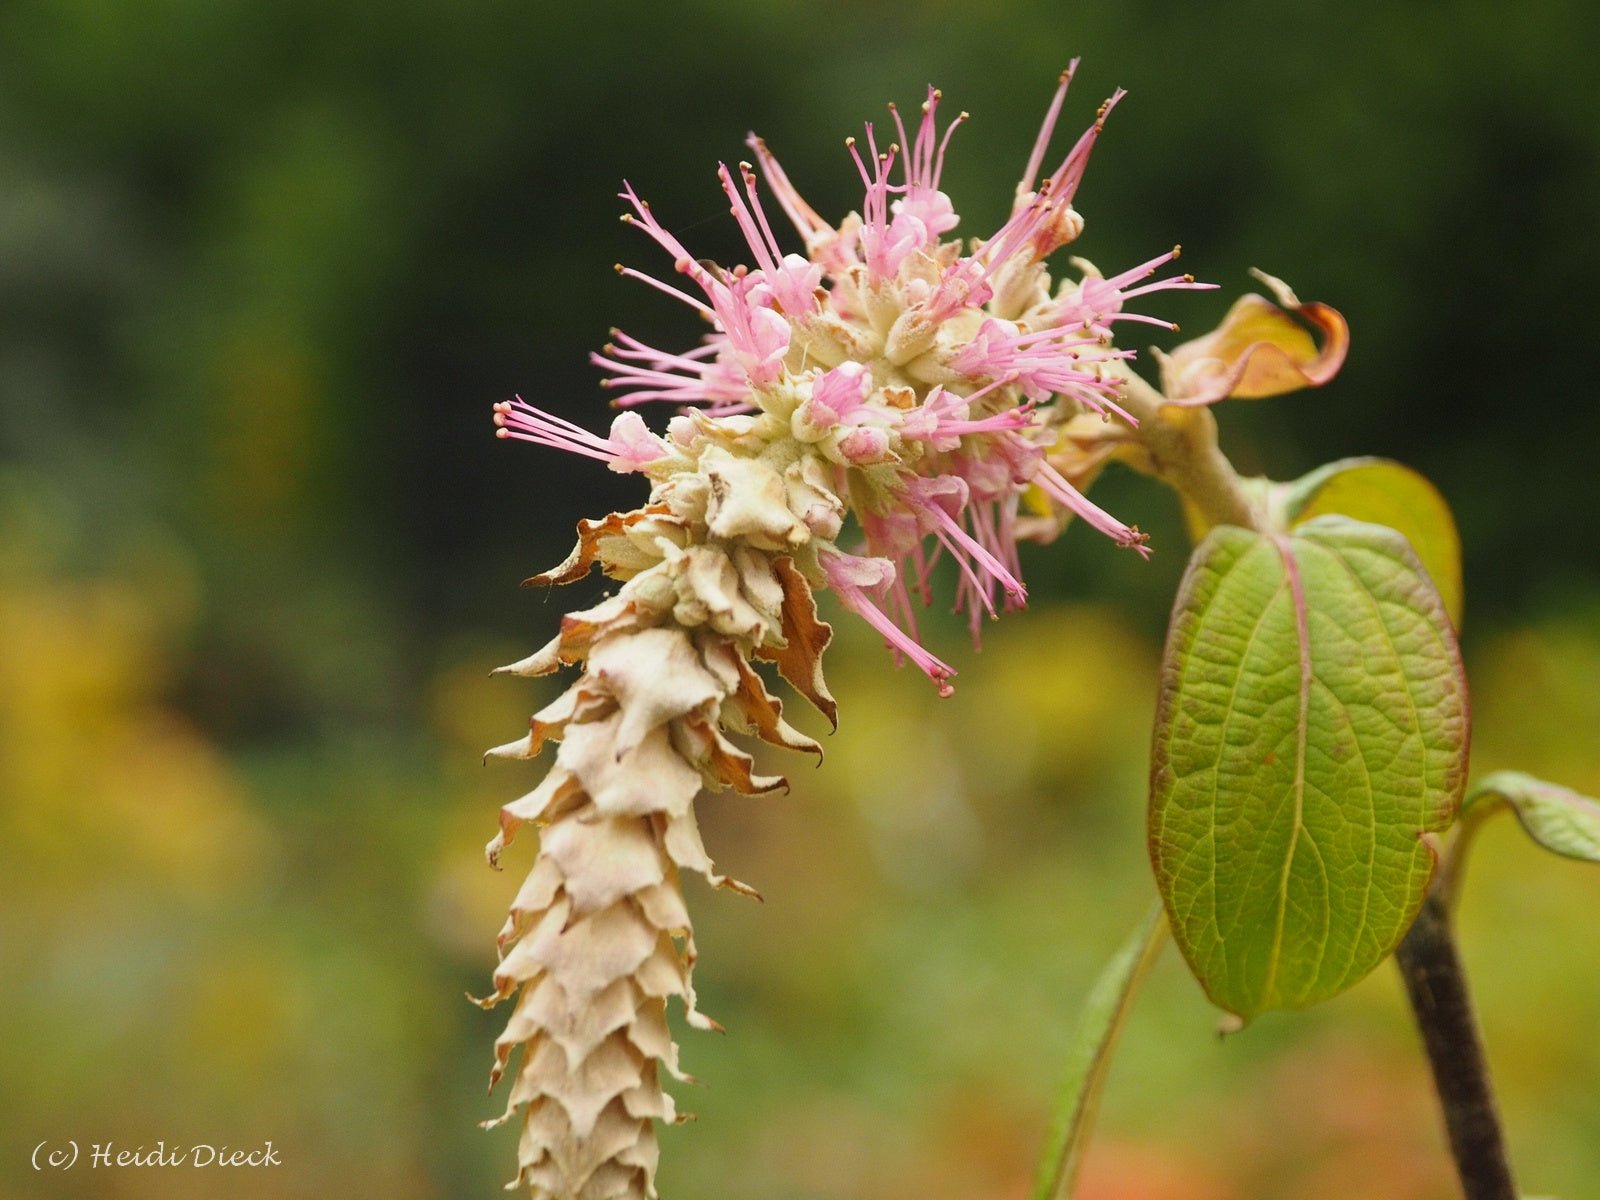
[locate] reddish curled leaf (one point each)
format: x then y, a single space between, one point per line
1259 350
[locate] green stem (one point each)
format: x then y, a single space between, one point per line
1436 984
1182 451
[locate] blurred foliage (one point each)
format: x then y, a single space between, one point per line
263 267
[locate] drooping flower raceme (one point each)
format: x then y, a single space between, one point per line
854 414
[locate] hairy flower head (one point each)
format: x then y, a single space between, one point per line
914 379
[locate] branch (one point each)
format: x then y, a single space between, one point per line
1436 984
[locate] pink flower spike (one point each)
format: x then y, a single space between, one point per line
944 417
925 211
631 447
792 280
1045 361
852 578
757 336
1048 220
636 447
1062 185
1098 302
891 232
1058 489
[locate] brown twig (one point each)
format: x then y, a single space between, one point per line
1436 984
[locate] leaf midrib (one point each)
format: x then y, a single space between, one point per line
1297 604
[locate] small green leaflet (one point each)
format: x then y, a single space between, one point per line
1558 818
1311 728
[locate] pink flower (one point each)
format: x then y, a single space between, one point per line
631 446
855 581
889 370
839 395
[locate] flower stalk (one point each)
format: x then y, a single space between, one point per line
1178 445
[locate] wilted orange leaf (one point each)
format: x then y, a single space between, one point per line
1260 349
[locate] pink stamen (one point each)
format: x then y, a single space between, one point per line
678 378
930 498
805 219
925 160
1045 361
851 578
757 336
667 288
1057 488
757 236
628 449
1042 142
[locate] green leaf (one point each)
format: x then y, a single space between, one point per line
1311 727
1393 495
1090 1056
1558 818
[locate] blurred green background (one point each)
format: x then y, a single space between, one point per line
263 269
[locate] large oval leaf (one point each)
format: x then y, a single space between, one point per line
1312 726
1392 494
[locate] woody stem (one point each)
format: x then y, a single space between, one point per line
1436 984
